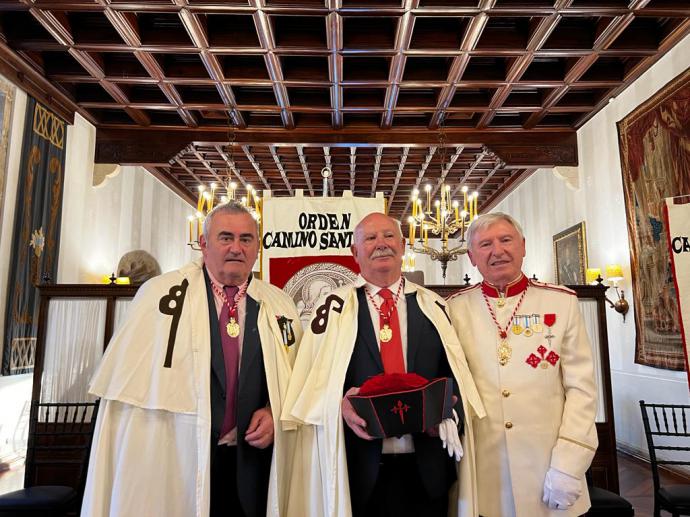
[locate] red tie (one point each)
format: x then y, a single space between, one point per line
231 356
391 351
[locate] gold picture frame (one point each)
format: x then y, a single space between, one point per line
570 255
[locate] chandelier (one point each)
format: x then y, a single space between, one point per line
207 196
206 202
444 220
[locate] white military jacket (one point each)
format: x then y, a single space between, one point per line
319 486
540 405
151 446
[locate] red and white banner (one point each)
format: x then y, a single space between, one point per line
678 223
307 241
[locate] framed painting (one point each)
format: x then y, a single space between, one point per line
570 255
655 163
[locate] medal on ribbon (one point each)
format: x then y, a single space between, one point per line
528 331
386 333
232 328
536 326
517 328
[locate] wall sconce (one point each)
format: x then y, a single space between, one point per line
614 274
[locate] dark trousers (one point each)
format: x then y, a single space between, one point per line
224 498
399 491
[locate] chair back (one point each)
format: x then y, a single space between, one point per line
667 432
59 443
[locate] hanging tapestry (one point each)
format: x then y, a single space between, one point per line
655 162
35 238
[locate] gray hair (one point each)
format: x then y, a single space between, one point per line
231 207
485 220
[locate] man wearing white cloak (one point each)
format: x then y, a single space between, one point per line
192 386
529 354
342 470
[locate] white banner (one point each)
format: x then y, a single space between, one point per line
678 224
306 243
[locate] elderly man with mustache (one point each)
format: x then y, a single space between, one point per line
380 324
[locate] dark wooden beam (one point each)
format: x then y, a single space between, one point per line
524 148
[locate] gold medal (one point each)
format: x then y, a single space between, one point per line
544 365
386 333
528 332
538 328
232 328
501 302
504 352
517 329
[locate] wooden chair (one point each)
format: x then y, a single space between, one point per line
57 455
606 503
669 425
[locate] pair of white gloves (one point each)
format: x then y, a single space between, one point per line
561 490
448 432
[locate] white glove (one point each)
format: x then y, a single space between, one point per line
560 490
448 432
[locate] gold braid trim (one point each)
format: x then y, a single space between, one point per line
578 443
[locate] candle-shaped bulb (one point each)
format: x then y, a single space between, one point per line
233 185
464 189
437 203
427 188
201 188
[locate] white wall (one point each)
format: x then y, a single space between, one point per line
132 210
545 206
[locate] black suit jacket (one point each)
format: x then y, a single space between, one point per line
254 464
426 357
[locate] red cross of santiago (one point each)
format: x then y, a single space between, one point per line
400 409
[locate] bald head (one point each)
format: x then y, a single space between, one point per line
378 249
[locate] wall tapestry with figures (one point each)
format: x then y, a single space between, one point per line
655 161
307 243
36 232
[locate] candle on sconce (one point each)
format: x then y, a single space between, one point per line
464 198
475 194
199 225
191 228
437 204
456 208
200 201
426 236
410 221
428 198
211 198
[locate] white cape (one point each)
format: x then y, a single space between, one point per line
151 445
315 395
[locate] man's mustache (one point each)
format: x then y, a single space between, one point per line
387 252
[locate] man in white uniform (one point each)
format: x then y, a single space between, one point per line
530 357
192 386
381 324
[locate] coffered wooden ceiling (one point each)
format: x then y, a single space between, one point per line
390 94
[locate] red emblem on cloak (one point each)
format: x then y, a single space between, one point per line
549 319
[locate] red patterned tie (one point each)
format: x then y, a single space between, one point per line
391 351
231 356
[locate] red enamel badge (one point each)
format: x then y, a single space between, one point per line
553 358
549 319
533 360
